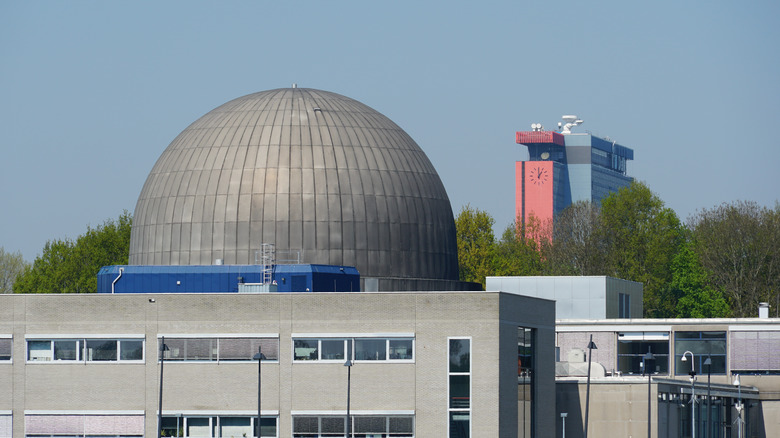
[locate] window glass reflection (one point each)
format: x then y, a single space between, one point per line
332 349
460 352
370 349
99 350
65 350
305 349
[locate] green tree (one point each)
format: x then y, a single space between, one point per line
476 245
739 245
577 247
12 264
642 238
695 297
66 266
517 254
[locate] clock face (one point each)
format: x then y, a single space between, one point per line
539 175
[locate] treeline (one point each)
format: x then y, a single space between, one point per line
721 263
68 266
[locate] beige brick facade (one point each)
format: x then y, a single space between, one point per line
489 319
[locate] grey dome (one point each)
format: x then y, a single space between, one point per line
306 170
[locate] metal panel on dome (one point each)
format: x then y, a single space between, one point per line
269 168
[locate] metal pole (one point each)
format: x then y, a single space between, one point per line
563 424
348 364
259 356
649 405
693 391
645 358
587 391
159 407
693 408
349 420
739 407
708 424
259 388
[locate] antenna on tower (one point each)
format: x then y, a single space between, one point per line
570 122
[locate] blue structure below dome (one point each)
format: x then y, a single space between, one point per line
225 278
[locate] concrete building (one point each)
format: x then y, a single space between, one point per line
590 297
740 386
424 364
565 167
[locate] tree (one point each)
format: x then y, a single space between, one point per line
476 244
517 254
11 266
642 237
66 266
577 247
690 285
739 244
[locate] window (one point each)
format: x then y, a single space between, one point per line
6 424
85 350
84 425
632 346
365 349
624 305
220 349
754 352
526 355
373 426
459 388
224 426
5 348
702 345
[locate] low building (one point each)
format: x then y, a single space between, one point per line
422 364
737 377
578 297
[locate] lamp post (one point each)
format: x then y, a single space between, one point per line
163 349
708 424
739 406
645 358
348 364
563 424
693 395
591 346
259 357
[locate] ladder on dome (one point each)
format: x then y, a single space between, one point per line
267 260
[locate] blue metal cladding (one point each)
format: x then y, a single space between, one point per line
225 278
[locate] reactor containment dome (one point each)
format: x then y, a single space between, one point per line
309 171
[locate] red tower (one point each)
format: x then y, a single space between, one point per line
537 181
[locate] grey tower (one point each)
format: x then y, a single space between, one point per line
306 170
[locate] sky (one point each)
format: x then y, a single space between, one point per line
92 92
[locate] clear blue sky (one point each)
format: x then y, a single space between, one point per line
92 92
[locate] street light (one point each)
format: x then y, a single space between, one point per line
739 406
645 358
259 358
163 349
348 364
591 346
693 395
563 424
708 424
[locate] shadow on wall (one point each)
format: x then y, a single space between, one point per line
567 400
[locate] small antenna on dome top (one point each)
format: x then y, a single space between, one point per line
294 85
